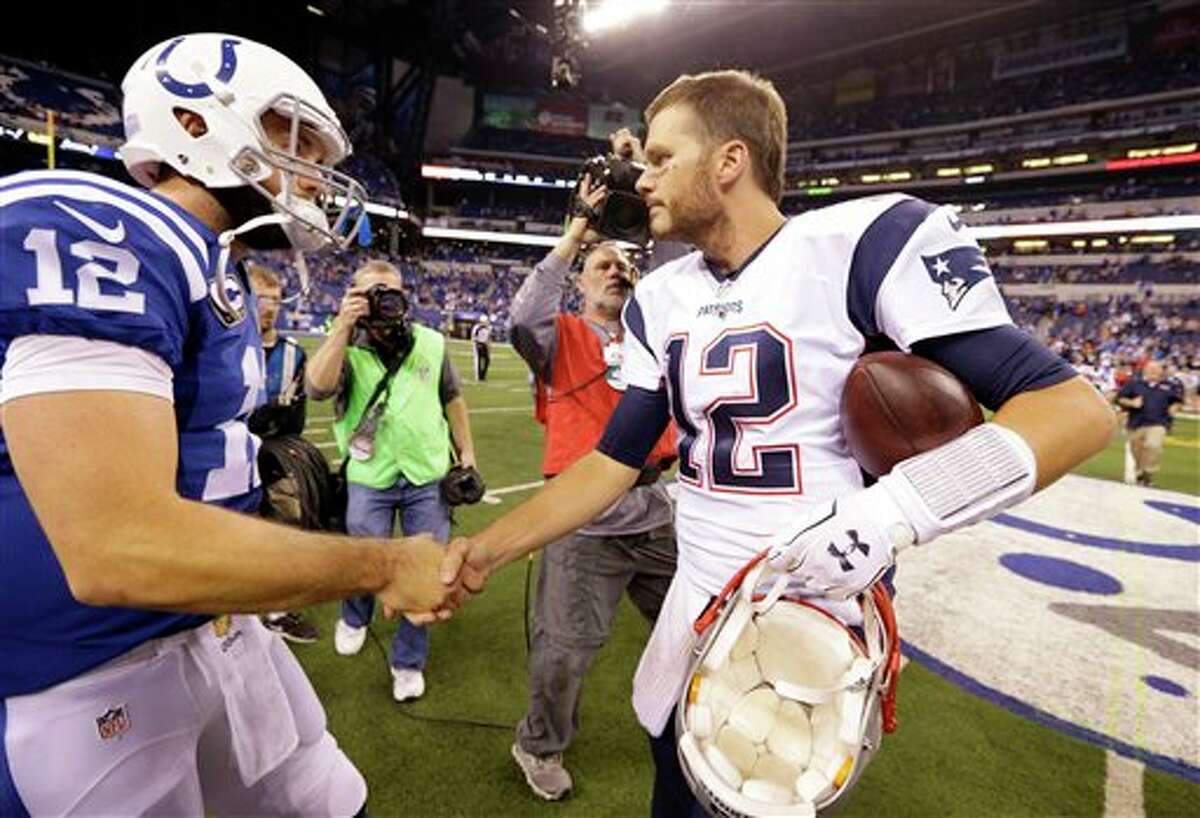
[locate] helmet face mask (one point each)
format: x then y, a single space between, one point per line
232 83
785 703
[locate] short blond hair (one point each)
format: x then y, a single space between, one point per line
263 276
377 265
736 105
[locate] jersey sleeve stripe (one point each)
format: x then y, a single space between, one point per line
197 287
876 252
636 323
181 224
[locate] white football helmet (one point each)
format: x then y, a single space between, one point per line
784 702
232 82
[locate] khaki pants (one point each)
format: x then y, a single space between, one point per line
1147 445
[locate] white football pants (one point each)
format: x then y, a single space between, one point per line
217 720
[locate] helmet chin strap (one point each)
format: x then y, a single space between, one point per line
226 239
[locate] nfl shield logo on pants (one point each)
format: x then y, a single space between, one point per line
114 723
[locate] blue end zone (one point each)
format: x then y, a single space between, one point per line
1174 766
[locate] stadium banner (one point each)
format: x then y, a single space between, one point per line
854 87
509 111
562 117
544 114
606 119
1061 52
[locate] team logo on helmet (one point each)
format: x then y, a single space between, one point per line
195 90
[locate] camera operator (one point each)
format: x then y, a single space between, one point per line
577 361
399 403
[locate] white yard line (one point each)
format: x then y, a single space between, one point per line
1123 787
496 494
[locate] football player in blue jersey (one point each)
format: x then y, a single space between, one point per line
130 361
747 343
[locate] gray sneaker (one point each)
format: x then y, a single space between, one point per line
545 775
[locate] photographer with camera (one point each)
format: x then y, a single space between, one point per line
399 407
577 362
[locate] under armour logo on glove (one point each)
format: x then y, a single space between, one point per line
845 547
855 545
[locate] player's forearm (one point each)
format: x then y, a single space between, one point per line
325 366
181 555
1063 424
460 429
565 504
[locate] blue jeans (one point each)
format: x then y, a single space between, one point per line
372 513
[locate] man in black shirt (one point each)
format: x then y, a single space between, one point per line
1152 403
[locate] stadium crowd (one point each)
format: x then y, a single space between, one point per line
455 283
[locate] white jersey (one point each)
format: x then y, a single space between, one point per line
754 366
481 333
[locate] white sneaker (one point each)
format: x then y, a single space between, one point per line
407 684
347 640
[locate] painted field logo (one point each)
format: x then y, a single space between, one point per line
1080 609
114 723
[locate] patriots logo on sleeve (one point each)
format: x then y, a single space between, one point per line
956 271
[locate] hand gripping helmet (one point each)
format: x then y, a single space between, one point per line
784 702
232 82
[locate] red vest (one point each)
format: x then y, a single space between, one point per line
576 407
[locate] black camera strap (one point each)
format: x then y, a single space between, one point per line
385 383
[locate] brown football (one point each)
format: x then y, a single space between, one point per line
896 405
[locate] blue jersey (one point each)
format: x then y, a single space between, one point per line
82 255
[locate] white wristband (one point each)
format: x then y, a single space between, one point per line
964 481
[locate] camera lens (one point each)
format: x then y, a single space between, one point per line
391 304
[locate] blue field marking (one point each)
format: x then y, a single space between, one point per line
1175 766
1185 553
1164 685
1189 513
1061 573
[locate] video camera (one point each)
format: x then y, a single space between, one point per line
622 215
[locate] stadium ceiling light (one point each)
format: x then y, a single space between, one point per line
315 10
612 13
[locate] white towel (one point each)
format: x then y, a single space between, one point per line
235 652
662 671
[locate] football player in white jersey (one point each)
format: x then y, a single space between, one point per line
747 343
130 361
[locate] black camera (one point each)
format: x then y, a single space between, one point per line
622 215
463 485
387 304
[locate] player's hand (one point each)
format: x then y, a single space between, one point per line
353 307
416 589
626 145
845 546
578 228
466 565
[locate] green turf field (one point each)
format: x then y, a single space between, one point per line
970 757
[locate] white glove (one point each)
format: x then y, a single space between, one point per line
846 546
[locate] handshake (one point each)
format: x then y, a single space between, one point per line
430 581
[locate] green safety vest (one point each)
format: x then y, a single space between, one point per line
412 439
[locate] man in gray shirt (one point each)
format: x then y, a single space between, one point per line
631 547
